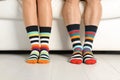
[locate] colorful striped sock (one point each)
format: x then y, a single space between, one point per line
74 32
90 31
44 40
33 35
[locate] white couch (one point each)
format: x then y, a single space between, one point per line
13 35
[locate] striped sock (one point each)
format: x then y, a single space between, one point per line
33 35
74 32
90 31
44 40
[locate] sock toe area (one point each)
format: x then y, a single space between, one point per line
43 61
76 61
31 61
91 61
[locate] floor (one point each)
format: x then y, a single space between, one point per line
13 67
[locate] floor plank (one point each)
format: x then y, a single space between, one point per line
13 67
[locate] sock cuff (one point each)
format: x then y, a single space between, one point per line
91 28
31 28
73 27
45 29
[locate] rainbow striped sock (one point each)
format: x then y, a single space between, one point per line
44 40
74 32
33 35
90 31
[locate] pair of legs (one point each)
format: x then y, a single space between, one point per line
72 18
38 22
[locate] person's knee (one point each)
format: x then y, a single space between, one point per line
29 1
44 1
72 1
93 2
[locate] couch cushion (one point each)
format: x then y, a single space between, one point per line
11 9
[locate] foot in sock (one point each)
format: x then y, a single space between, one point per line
44 57
44 41
90 31
33 35
88 58
33 57
76 58
74 32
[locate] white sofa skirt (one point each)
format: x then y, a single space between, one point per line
13 36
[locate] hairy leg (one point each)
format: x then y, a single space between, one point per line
92 18
93 11
72 18
71 12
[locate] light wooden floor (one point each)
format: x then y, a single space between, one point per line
13 67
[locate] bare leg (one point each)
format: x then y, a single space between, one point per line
91 19
31 23
30 12
45 13
72 17
45 23
71 12
93 11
